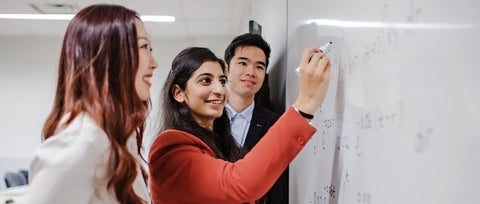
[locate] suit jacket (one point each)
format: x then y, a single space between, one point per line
262 120
183 169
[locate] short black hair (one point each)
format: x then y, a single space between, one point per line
247 39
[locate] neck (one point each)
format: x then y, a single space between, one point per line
240 103
205 123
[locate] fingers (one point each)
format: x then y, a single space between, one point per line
311 58
317 63
321 60
307 53
326 74
314 78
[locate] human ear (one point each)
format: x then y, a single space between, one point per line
178 94
227 68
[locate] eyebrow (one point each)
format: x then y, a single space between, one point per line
204 74
258 62
210 75
142 37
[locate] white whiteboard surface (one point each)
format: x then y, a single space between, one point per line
401 121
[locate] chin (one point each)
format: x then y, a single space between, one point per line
218 115
144 97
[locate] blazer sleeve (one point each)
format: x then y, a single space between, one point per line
182 168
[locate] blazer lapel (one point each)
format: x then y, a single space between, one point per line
256 130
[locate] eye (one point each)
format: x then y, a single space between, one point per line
223 81
205 81
260 67
146 47
242 63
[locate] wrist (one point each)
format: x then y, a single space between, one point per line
305 115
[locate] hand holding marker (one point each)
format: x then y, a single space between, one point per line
322 49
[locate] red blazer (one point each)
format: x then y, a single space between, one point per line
183 169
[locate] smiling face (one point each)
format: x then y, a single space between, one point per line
205 93
146 62
246 71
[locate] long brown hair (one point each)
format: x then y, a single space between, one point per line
96 75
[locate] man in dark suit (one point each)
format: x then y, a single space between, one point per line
247 60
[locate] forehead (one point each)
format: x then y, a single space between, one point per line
211 67
251 52
140 27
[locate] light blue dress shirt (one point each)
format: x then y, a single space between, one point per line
240 122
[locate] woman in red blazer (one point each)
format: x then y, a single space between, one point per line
196 160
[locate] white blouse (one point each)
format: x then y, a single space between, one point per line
71 167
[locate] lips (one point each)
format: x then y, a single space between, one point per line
147 78
217 102
249 82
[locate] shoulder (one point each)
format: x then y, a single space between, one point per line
174 139
82 132
75 153
264 112
82 137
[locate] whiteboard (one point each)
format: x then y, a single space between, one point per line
401 120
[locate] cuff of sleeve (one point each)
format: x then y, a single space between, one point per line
307 117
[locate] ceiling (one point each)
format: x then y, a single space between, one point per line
194 18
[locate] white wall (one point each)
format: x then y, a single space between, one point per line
27 82
27 67
272 16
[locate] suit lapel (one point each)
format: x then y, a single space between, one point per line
256 129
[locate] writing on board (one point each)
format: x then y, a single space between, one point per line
401 112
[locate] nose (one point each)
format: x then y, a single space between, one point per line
250 71
218 88
153 62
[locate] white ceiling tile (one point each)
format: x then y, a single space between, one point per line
194 18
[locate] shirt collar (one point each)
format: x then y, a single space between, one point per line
247 113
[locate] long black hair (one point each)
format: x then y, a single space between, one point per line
176 115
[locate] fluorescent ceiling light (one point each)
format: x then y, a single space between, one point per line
146 18
37 16
373 24
151 18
